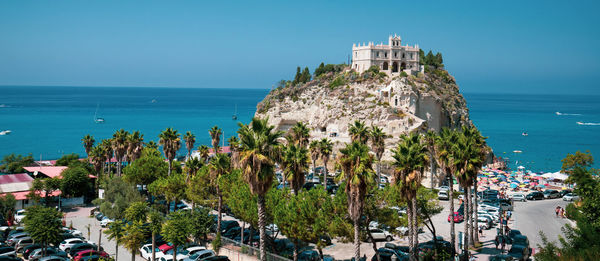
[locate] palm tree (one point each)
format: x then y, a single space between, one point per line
258 141
170 141
189 139
204 153
484 150
410 161
152 145
325 149
300 134
430 137
378 146
88 143
135 145
234 146
219 165
119 146
358 131
466 159
97 158
357 170
192 165
116 231
108 152
215 135
295 162
443 147
314 148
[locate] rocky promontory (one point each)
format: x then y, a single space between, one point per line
398 104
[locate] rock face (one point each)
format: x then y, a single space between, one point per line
330 102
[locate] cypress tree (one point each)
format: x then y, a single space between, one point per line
305 75
297 77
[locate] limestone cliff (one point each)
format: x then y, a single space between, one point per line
398 105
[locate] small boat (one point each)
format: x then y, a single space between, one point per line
558 113
517 151
580 123
234 117
525 134
96 118
5 132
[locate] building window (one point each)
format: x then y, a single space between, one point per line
377 54
396 103
395 54
411 56
385 54
403 55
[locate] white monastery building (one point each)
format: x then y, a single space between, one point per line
392 58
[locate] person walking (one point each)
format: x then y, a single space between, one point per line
497 241
557 210
503 243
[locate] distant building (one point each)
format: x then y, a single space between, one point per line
392 58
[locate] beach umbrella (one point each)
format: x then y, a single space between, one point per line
540 186
522 185
513 185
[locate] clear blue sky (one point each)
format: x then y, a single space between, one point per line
489 46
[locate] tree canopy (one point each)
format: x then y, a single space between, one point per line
13 163
75 182
118 196
146 169
43 225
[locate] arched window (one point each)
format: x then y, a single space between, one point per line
395 54
385 66
396 103
385 54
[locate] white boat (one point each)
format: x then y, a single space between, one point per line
524 134
5 132
517 151
234 117
96 118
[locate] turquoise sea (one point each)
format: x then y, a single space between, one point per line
50 121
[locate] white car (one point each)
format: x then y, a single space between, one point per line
19 215
105 221
570 197
170 257
518 197
380 234
146 252
68 243
443 195
73 232
486 214
200 255
443 188
194 250
483 222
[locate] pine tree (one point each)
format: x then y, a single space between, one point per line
320 70
305 77
297 77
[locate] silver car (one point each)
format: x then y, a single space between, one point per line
53 258
12 240
22 243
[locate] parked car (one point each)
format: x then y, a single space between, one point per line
7 251
551 193
441 245
194 249
91 258
457 217
228 224
484 222
200 255
309 255
165 247
379 234
518 197
535 195
217 258
68 243
519 252
12 240
91 252
146 252
565 192
501 257
53 258
10 258
105 221
12 231
81 247
99 216
22 243
570 197
50 251
19 215
170 257
74 232
28 249
443 195
520 240
387 254
443 188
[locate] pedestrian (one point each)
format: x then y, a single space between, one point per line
496 242
557 210
503 243
562 212
480 231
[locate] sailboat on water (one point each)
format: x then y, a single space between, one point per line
96 118
234 117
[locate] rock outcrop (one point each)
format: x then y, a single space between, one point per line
330 102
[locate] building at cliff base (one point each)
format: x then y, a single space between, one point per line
392 58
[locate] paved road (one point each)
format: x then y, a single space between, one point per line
531 217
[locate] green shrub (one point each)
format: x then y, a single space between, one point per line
403 74
338 81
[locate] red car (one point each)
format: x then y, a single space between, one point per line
165 247
89 252
457 217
